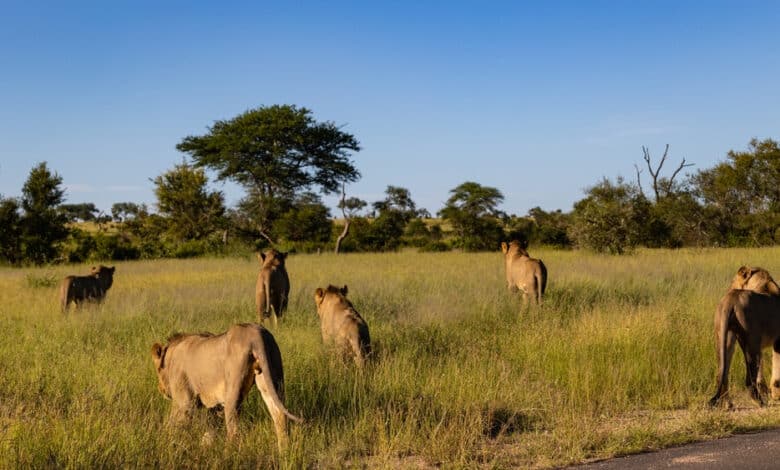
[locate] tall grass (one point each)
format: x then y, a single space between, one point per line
619 359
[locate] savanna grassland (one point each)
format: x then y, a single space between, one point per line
620 359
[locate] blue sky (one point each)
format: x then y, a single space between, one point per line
539 99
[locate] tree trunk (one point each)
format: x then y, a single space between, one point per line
343 235
264 235
344 232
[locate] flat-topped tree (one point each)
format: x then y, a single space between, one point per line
275 152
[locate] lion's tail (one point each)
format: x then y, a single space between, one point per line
262 367
543 280
65 294
267 282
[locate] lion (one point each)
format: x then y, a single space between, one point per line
755 279
523 273
90 288
212 370
273 285
341 324
752 320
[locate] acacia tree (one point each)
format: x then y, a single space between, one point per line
398 200
473 212
192 211
275 152
121 211
85 211
42 224
395 212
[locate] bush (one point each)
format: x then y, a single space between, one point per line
79 246
114 247
190 249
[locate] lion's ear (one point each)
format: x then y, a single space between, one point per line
157 350
261 257
94 269
112 268
319 294
283 255
344 290
504 247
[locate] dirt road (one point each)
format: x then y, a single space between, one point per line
746 451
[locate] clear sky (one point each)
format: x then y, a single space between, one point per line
539 99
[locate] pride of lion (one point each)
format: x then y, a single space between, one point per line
219 370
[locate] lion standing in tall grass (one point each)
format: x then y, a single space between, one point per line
89 288
341 325
273 285
219 370
757 280
751 320
523 273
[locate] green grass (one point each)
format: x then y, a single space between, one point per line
620 359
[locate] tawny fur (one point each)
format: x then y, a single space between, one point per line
755 279
751 320
523 273
273 285
341 325
215 370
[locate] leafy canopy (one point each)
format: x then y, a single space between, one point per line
276 149
472 209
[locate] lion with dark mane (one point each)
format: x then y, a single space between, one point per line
89 288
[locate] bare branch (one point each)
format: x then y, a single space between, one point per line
265 235
638 180
661 188
671 179
657 171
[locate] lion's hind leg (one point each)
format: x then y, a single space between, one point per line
775 384
752 362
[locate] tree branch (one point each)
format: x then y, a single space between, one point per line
671 179
344 232
638 179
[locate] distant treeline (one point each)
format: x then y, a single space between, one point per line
735 203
